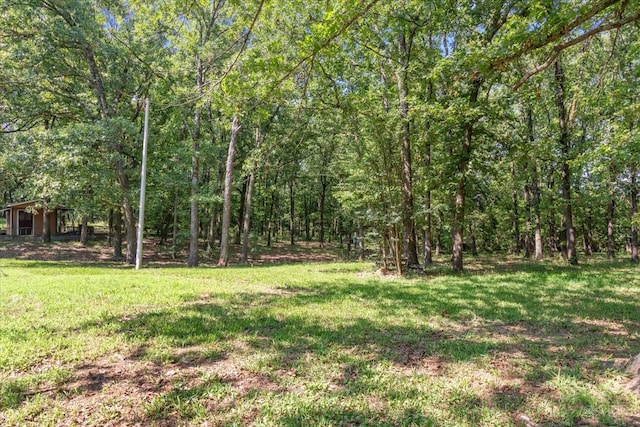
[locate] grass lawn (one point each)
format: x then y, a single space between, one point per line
318 344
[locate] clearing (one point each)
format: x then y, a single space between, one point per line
511 344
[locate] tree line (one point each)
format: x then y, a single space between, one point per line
417 127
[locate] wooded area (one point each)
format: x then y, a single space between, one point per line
418 128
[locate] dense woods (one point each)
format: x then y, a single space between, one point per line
412 128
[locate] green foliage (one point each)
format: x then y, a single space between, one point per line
321 81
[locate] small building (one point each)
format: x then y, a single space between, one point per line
27 219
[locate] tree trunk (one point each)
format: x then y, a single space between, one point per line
527 225
307 219
539 254
535 190
117 241
129 218
174 235
194 221
588 236
634 215
457 227
565 145
243 195
130 230
360 241
438 250
84 231
396 250
324 183
611 209
291 213
472 232
272 207
110 233
228 182
515 213
212 232
408 217
383 249
246 225
427 236
194 217
46 228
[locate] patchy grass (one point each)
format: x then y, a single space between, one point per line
507 344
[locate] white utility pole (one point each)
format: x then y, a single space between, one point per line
143 181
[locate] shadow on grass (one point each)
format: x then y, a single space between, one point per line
556 330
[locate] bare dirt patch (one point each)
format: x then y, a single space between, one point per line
125 390
156 254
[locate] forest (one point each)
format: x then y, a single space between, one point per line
413 128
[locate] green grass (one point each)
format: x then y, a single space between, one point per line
318 344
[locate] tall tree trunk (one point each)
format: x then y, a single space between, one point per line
408 216
324 183
307 219
46 228
194 221
292 213
588 235
243 197
272 208
110 233
611 210
515 219
428 231
537 216
538 242
174 234
212 232
246 225
396 250
130 231
194 217
129 217
228 183
634 215
214 221
360 241
527 224
472 235
565 145
84 230
383 249
438 250
117 241
457 227
535 190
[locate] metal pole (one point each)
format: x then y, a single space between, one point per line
143 181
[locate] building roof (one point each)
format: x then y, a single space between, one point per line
29 203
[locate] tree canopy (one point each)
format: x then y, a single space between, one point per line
414 128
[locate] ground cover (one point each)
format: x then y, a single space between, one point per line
509 343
